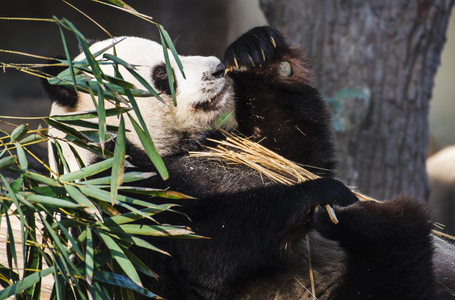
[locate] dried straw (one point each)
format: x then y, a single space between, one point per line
239 150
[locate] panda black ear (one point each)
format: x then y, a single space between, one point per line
61 95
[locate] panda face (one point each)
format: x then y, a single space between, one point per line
201 96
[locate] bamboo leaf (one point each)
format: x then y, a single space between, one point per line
132 216
31 138
51 201
63 257
87 171
89 257
83 201
170 45
67 129
93 114
21 214
150 149
138 77
7 162
122 281
11 244
119 160
170 74
25 283
120 257
153 230
68 57
122 4
140 266
19 132
21 156
127 177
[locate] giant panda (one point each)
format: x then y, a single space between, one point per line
260 231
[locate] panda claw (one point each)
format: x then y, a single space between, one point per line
236 63
273 42
252 61
263 54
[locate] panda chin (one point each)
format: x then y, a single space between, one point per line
211 104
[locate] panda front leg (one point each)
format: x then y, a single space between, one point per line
388 246
275 102
252 236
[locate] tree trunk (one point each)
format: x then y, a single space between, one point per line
375 62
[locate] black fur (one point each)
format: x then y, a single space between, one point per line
160 79
57 93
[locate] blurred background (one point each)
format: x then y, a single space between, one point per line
202 27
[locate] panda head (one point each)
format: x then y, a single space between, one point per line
201 96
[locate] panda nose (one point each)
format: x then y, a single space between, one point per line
219 71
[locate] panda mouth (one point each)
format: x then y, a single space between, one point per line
211 103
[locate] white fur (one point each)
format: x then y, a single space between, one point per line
164 121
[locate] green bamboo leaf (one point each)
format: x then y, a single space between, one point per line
101 118
67 129
140 266
25 283
111 92
170 74
31 138
98 291
106 197
21 214
137 241
63 261
119 160
120 257
87 171
122 4
47 190
59 158
83 201
85 48
92 148
159 193
149 147
52 201
127 177
132 216
70 238
153 230
138 77
92 114
11 244
68 57
170 45
21 156
41 179
7 162
122 281
88 124
89 257
78 158
19 132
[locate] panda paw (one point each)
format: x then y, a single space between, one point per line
368 225
255 48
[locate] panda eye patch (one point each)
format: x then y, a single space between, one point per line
160 79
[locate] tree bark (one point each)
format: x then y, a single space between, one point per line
375 62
